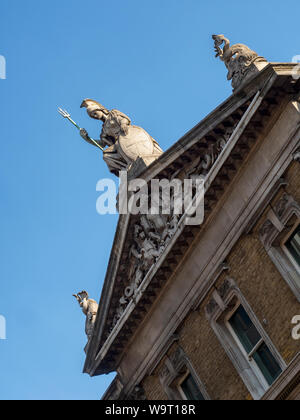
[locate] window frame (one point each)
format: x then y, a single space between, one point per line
184 397
276 223
224 304
285 248
249 356
182 380
175 370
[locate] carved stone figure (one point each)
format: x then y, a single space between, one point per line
147 246
239 59
124 142
90 309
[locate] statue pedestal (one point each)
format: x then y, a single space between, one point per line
240 79
140 165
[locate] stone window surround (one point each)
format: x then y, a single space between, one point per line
174 371
275 225
224 301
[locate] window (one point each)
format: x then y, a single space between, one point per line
254 346
243 338
280 236
292 245
180 380
190 389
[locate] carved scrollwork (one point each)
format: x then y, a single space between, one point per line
150 238
285 207
220 296
165 372
176 359
174 366
282 205
266 232
225 288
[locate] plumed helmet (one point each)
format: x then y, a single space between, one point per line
92 106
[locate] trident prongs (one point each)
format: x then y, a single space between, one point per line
66 115
63 113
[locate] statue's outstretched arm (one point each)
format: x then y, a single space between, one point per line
85 136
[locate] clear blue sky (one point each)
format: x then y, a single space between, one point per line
153 60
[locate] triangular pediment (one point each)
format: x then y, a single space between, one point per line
147 250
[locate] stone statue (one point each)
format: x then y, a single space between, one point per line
124 142
90 309
239 59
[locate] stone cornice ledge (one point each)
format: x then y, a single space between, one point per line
286 382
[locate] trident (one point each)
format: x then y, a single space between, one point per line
66 115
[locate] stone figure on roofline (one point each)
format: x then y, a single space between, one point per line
123 143
240 60
90 309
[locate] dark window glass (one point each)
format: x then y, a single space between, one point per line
250 338
293 245
191 390
267 364
245 329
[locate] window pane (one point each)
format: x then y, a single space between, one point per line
293 245
191 390
245 329
267 364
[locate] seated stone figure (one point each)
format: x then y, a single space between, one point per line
124 142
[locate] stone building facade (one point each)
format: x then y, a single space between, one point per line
212 317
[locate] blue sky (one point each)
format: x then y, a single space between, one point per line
152 60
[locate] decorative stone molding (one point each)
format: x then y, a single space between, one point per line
276 224
267 233
225 288
283 210
280 183
152 234
175 367
218 302
296 155
114 391
211 307
283 205
286 384
138 394
228 298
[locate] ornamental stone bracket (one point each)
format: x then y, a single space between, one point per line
218 302
296 155
137 394
277 219
175 366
